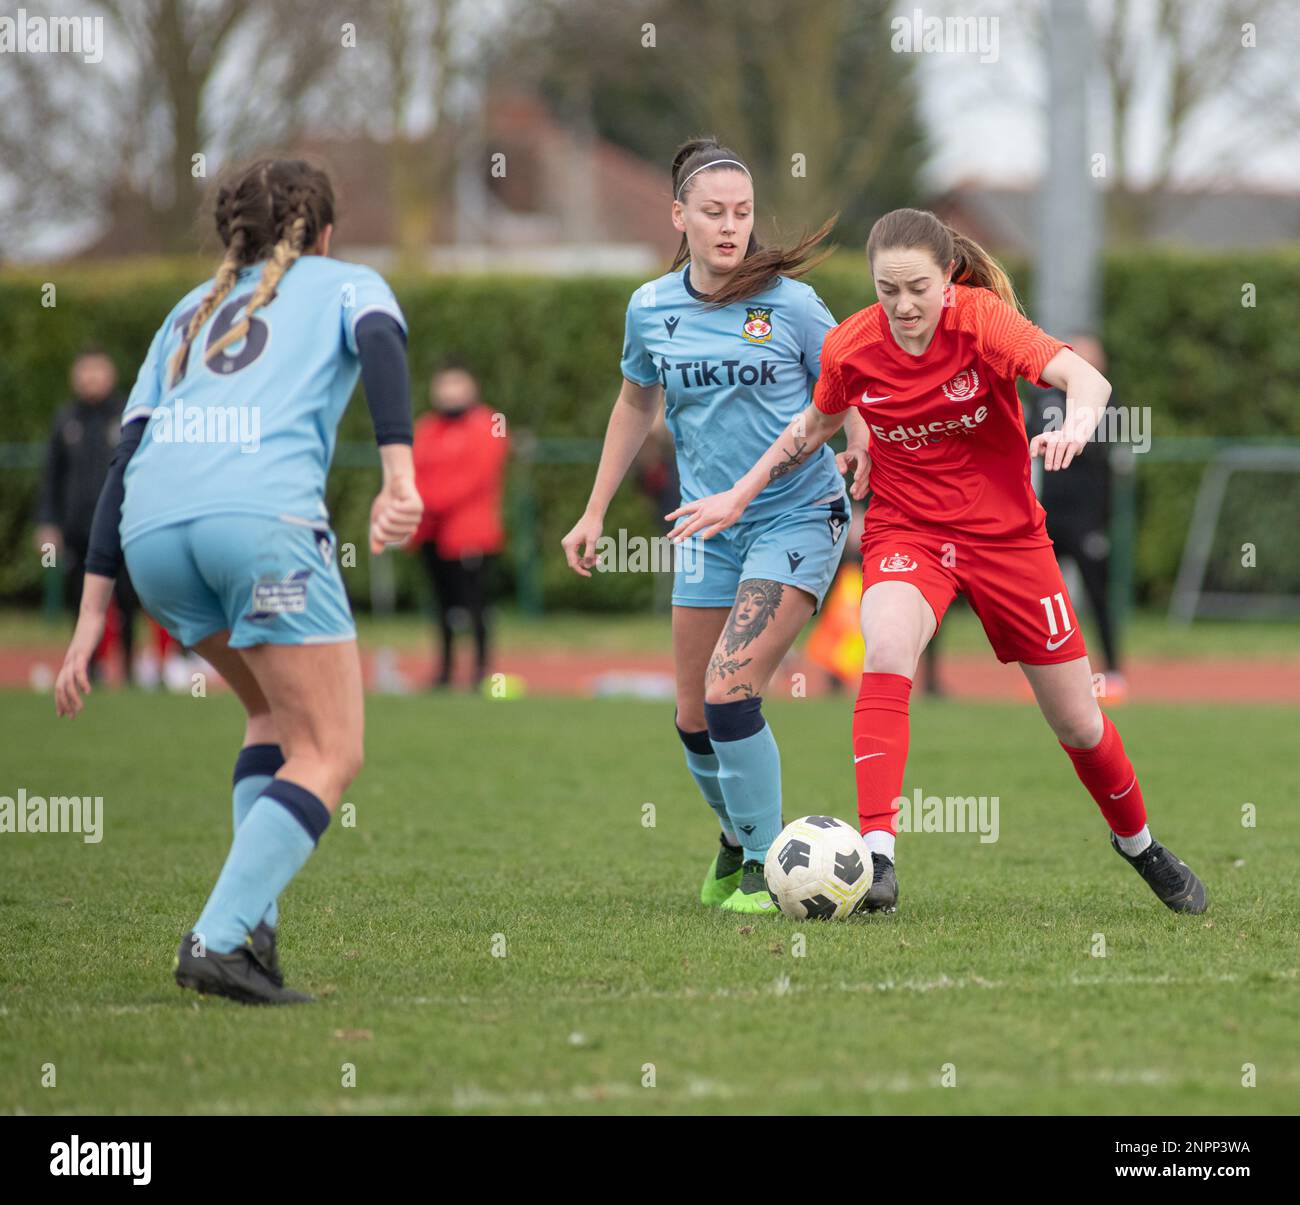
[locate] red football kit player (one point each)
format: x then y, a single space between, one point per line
932 369
952 506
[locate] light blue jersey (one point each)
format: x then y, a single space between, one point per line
734 377
252 431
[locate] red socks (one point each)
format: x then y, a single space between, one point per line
880 737
1111 780
880 748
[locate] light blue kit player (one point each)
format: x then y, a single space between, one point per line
733 379
224 521
216 500
729 342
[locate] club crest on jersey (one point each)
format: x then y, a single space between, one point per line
897 562
963 386
758 324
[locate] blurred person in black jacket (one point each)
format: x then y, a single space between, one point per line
1077 501
82 440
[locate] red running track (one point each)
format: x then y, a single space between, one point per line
963 676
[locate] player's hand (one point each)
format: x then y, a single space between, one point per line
706 516
856 459
74 675
395 514
1056 448
580 544
48 533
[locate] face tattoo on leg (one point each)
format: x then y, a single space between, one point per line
756 603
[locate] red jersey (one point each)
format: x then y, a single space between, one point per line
948 445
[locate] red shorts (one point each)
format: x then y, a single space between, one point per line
1017 592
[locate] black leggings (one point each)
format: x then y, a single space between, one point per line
460 586
1088 547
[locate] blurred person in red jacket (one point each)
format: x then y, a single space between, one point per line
460 462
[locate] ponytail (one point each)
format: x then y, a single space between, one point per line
977 268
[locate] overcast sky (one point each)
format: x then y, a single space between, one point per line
986 119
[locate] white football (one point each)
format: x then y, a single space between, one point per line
818 868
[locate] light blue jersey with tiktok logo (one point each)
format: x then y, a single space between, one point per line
734 377
251 431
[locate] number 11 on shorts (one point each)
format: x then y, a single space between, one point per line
1046 602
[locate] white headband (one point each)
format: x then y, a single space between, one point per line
715 163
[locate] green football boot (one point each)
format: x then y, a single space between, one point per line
724 874
752 895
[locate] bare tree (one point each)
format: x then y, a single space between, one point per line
810 93
210 78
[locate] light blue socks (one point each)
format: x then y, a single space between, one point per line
749 772
271 845
255 767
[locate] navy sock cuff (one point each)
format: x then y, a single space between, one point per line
696 742
736 720
301 804
258 759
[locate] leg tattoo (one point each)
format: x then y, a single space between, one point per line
756 603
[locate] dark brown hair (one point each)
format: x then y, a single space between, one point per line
972 265
272 209
761 265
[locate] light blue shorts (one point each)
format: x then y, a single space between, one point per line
800 547
264 580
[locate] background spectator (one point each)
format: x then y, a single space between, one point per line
1077 501
82 439
460 460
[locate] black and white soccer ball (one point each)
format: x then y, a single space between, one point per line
818 869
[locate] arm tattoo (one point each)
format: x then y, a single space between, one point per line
792 460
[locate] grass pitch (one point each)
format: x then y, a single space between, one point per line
501 932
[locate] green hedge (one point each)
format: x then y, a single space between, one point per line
546 351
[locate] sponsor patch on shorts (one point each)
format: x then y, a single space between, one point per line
287 597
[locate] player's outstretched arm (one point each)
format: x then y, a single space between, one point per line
1086 394
103 560
800 440
630 422
398 507
74 675
856 457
